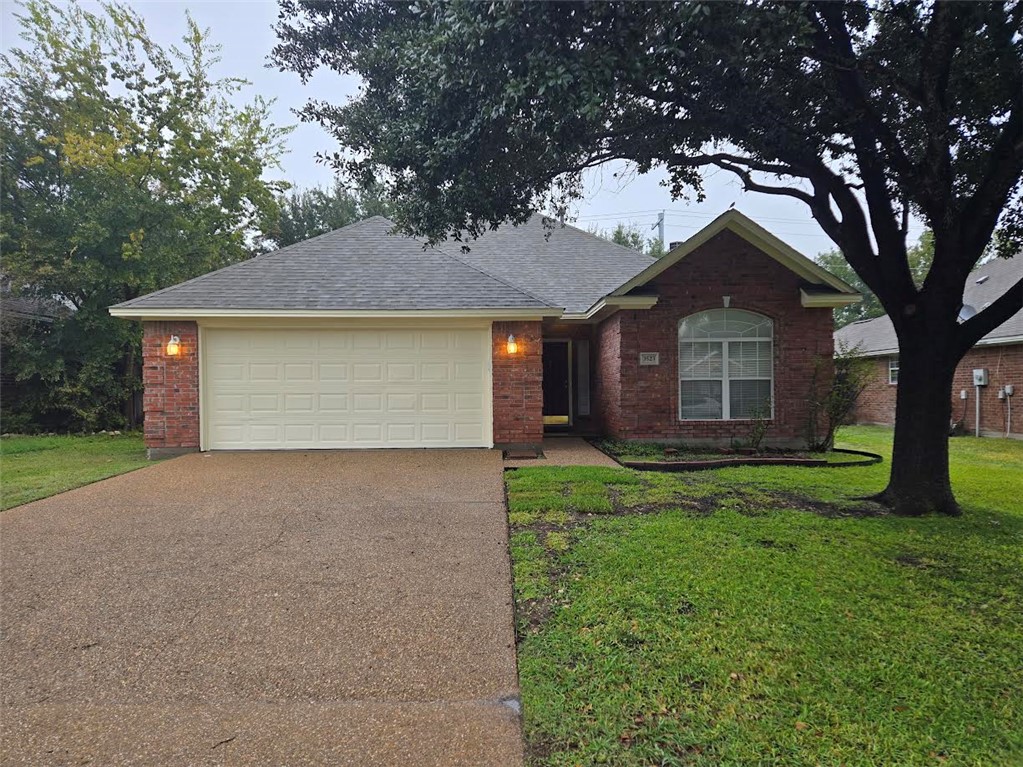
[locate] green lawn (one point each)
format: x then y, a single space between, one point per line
36 467
759 616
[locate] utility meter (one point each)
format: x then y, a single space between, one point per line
980 376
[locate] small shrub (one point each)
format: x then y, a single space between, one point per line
832 407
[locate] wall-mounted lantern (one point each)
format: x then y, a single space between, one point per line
513 345
174 346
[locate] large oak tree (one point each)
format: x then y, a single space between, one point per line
869 113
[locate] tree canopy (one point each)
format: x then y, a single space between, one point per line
125 169
918 256
309 212
631 236
473 114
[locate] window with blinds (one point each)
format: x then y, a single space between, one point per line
725 365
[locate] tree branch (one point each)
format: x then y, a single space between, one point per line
999 312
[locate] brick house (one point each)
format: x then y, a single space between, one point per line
999 354
363 338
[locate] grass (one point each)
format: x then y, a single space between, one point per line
759 616
37 467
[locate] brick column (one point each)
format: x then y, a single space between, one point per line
171 398
518 384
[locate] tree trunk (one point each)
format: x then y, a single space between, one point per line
919 482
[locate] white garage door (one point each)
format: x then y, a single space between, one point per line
331 388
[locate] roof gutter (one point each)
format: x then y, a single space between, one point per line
829 300
609 305
1004 341
517 313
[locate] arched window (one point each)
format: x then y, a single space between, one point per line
725 366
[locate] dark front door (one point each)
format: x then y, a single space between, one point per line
557 384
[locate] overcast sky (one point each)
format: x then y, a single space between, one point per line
244 30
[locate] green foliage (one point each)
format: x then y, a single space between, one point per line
38 467
831 404
310 212
125 169
919 258
760 632
631 236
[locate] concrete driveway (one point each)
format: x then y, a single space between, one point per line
263 608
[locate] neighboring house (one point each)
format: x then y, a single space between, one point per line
1000 353
360 338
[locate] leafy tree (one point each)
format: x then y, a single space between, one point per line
919 258
631 236
310 212
867 112
125 169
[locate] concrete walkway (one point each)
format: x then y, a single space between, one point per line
565 451
263 608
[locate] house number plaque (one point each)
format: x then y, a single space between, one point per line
649 358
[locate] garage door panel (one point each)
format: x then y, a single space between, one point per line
298 371
333 371
299 434
468 431
367 372
401 372
333 403
468 372
440 433
401 402
435 402
335 433
435 372
264 371
299 403
367 403
229 435
399 340
266 435
346 388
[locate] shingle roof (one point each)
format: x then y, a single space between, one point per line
565 266
358 267
984 285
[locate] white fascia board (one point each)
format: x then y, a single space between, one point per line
131 313
611 304
754 234
819 300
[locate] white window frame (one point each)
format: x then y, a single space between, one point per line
893 367
725 341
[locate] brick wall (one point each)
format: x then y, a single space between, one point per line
518 384
877 402
1004 365
645 406
607 375
171 399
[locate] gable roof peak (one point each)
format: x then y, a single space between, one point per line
742 225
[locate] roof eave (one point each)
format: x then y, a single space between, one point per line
154 314
756 235
608 305
889 351
827 300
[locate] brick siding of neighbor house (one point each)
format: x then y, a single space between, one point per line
518 384
1004 366
171 399
644 403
